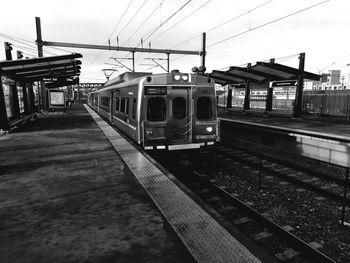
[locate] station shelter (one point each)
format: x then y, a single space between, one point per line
24 85
262 75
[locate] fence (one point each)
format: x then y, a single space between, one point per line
327 105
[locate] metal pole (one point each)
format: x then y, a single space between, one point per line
39 42
246 105
260 166
203 52
25 98
300 87
347 109
168 59
8 49
133 61
345 194
4 124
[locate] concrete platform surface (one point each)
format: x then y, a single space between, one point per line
66 196
286 121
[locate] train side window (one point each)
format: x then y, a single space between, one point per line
122 105
117 104
134 108
156 109
204 108
179 108
127 106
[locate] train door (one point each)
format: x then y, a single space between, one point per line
179 125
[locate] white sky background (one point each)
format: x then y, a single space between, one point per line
321 32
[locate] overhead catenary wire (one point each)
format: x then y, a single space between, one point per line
120 19
335 62
226 22
154 30
262 25
150 33
267 23
115 27
144 21
32 44
132 18
183 19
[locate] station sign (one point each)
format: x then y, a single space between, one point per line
56 98
284 83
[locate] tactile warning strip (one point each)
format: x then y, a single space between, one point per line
204 237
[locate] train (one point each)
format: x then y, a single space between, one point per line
167 111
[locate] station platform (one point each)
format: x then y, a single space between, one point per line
74 190
67 196
286 121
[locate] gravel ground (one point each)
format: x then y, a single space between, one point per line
313 220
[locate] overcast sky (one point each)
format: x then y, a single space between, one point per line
235 31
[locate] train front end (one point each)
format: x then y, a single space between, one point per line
179 112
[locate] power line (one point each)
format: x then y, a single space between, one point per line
268 23
20 40
334 62
227 21
132 18
143 23
149 34
183 19
120 19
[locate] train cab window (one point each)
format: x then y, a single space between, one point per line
134 108
179 108
204 108
156 109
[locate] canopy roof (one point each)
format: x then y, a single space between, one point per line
57 71
259 73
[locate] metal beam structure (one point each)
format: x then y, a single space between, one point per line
118 48
201 53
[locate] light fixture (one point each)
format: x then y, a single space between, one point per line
209 129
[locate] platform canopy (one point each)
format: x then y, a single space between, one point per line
259 73
55 71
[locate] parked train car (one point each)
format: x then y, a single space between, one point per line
171 111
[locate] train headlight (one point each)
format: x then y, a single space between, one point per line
184 77
209 129
177 77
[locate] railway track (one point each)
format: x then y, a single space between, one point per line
275 239
325 179
282 241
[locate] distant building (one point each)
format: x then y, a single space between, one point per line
330 81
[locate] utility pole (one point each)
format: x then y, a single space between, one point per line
299 89
39 41
8 48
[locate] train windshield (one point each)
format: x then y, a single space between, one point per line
179 108
204 108
156 109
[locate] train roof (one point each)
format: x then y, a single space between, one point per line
126 76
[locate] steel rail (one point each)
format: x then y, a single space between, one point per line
295 181
302 246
